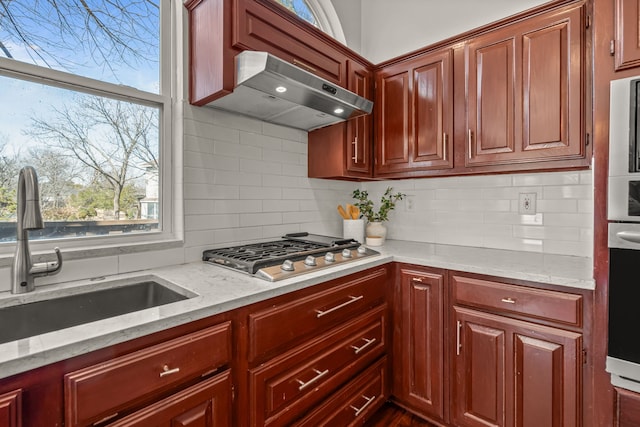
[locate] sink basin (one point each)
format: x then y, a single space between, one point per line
35 318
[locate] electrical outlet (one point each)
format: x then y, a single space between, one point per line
409 203
527 203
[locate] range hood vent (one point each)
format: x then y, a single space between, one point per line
275 91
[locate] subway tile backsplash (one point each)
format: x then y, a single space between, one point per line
246 180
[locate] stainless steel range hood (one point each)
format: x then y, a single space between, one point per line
275 91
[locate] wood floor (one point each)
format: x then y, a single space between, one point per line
392 416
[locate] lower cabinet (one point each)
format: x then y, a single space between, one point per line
325 356
207 403
10 409
512 371
157 384
418 380
627 411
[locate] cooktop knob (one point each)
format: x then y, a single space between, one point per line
330 257
287 265
362 250
346 253
310 261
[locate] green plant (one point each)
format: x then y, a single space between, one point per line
387 203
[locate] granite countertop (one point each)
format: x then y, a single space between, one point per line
218 290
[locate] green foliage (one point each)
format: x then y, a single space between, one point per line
387 204
8 204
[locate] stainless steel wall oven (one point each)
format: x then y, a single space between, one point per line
623 213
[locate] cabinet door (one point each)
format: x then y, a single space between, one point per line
207 403
414 116
627 412
10 409
514 373
627 22
526 89
419 362
359 130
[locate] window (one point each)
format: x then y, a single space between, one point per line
86 101
319 13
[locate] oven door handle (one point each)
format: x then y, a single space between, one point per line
629 236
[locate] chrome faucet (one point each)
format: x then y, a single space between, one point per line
29 218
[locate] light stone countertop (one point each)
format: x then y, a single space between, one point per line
215 290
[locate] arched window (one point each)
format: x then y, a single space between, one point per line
319 13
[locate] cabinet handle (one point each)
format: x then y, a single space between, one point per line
363 407
444 146
352 299
416 279
304 385
166 371
366 344
296 61
355 149
458 343
508 300
470 138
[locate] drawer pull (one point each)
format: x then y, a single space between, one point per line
416 279
308 67
166 371
508 300
304 385
352 299
363 407
366 344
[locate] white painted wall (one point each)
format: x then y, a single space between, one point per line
389 29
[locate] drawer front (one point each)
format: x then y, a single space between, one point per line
100 391
207 403
536 303
11 409
355 403
314 314
294 382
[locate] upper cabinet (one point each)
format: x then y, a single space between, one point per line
414 115
345 150
220 29
626 46
526 91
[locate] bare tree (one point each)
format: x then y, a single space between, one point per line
9 165
56 173
54 31
112 138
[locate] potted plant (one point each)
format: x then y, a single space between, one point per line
376 231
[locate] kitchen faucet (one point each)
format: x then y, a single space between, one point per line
29 218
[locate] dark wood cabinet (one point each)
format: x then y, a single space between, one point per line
512 372
207 403
627 410
414 116
107 390
332 336
526 89
345 150
11 409
418 352
626 45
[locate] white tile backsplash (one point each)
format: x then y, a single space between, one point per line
246 180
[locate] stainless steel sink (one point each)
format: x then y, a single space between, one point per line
35 318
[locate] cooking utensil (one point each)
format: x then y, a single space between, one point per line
342 212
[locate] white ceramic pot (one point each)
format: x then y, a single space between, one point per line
376 233
353 229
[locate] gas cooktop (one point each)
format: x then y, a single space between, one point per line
294 254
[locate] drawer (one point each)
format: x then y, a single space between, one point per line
100 391
315 314
207 403
354 403
11 409
294 382
536 303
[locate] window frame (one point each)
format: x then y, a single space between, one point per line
170 140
